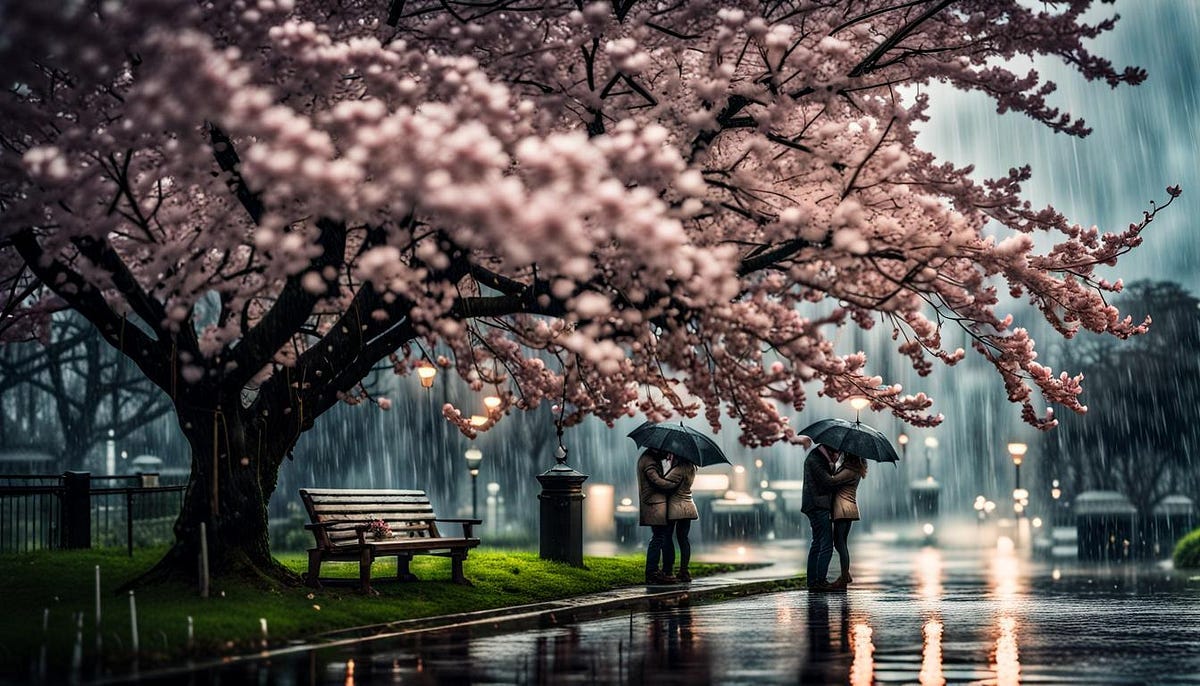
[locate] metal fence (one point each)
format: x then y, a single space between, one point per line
78 510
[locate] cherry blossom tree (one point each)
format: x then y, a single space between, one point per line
618 207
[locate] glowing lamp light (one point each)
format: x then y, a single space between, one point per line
493 488
626 502
764 483
769 495
478 420
989 507
1020 494
1037 522
859 404
758 464
492 403
739 469
903 439
425 373
928 529
474 459
1056 493
931 442
1017 450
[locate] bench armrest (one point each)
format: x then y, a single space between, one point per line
466 524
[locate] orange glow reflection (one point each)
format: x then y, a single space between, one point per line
929 573
931 657
1006 571
349 672
1008 663
783 611
862 671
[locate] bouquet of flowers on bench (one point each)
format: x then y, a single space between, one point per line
379 529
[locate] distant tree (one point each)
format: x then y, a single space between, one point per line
673 202
1140 434
78 384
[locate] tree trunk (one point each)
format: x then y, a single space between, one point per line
235 466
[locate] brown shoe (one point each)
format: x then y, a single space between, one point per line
659 579
684 577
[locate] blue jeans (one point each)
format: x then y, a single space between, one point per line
661 547
820 548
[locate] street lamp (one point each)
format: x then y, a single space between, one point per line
492 403
980 515
903 441
859 404
931 443
474 458
426 372
1017 452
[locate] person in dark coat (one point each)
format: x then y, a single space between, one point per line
653 493
816 503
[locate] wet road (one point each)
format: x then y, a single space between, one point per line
914 615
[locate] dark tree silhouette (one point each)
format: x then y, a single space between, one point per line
1139 435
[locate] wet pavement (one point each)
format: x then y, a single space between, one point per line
914 615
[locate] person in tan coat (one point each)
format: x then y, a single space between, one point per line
681 512
844 511
653 494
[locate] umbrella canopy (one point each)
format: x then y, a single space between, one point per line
852 437
685 442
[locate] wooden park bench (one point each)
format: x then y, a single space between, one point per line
339 524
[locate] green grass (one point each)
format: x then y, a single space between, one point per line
63 583
1187 551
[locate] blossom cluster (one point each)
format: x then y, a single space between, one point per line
618 208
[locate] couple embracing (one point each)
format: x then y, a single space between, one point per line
665 493
830 500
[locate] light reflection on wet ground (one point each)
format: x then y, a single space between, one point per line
919 616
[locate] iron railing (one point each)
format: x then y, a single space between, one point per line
39 511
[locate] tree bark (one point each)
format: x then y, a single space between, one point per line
235 465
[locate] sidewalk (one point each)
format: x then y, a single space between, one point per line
772 576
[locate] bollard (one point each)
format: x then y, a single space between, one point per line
561 536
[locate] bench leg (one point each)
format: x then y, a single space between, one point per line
456 569
402 572
364 571
312 578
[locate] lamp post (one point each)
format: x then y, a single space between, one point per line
931 443
1056 495
1017 452
474 458
902 439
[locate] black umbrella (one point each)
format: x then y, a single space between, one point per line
686 443
852 437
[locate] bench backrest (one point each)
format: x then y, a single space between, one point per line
408 513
